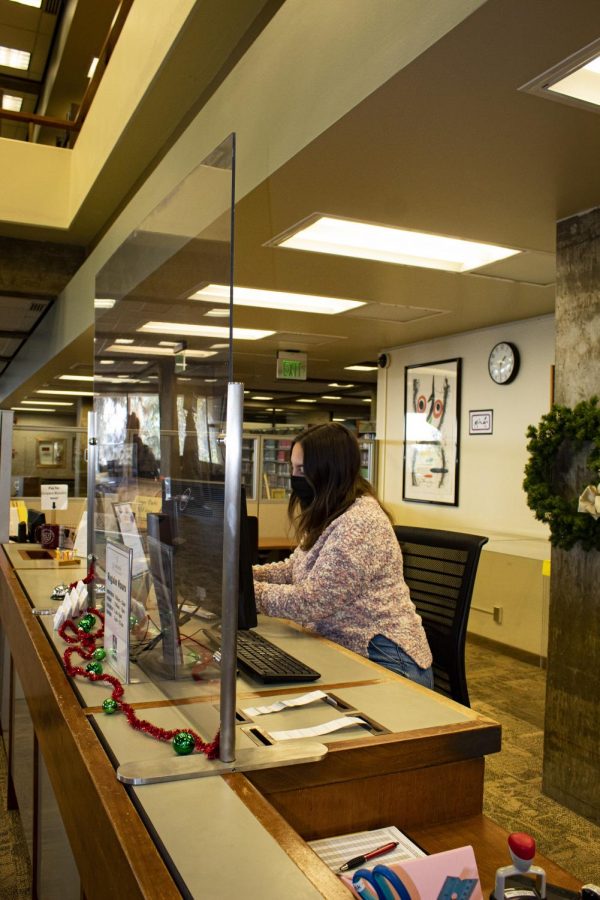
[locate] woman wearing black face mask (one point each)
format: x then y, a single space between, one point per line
345 578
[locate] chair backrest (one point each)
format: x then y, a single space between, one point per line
440 569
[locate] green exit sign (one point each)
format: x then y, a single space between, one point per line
291 366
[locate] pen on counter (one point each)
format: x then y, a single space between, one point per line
361 860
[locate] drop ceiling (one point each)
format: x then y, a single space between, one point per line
449 145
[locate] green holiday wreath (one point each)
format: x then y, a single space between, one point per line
579 426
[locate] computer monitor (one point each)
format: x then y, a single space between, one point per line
199 510
174 566
35 518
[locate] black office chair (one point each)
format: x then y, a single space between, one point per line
439 569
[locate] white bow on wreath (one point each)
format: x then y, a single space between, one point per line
589 501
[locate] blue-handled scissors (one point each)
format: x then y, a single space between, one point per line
376 884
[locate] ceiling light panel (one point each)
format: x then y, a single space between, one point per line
36 3
141 350
49 402
574 80
347 237
263 299
67 393
14 59
75 377
211 331
582 84
12 103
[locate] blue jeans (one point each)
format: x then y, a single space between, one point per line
387 653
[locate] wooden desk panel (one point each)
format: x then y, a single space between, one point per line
409 799
104 829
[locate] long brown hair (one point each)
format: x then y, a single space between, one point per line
332 468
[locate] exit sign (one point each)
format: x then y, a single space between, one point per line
291 366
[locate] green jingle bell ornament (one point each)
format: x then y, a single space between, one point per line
99 653
95 667
87 622
184 743
110 706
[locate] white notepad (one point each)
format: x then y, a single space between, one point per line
335 851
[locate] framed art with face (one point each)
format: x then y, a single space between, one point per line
432 432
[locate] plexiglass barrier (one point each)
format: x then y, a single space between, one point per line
161 371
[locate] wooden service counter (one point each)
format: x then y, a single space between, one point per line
237 835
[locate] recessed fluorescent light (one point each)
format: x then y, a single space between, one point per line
260 397
219 346
14 59
138 362
32 409
330 397
75 377
140 350
124 341
49 402
67 393
210 380
338 420
106 362
217 313
181 378
258 298
12 103
36 3
367 400
305 400
104 302
212 331
346 237
342 386
582 84
361 368
92 67
168 343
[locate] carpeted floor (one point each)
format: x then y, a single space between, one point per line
15 868
513 693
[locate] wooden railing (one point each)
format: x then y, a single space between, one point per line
73 127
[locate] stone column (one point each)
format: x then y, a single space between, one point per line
572 732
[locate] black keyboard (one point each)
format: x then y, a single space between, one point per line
267 663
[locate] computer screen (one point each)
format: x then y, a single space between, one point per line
35 518
194 513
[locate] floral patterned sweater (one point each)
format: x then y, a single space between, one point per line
349 586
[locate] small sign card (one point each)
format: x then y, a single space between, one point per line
54 496
481 421
117 607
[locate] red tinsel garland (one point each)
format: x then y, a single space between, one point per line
84 644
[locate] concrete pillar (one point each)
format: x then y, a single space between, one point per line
572 744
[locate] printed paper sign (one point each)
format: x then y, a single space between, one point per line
117 607
54 496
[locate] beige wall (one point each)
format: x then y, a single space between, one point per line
491 498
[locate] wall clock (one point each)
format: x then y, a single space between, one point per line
503 363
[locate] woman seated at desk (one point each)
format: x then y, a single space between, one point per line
344 580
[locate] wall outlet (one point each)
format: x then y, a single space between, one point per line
498 611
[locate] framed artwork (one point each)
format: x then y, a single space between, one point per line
432 432
51 453
481 421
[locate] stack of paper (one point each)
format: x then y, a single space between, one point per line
336 851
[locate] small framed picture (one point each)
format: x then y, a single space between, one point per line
481 421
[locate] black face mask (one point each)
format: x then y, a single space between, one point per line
303 490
